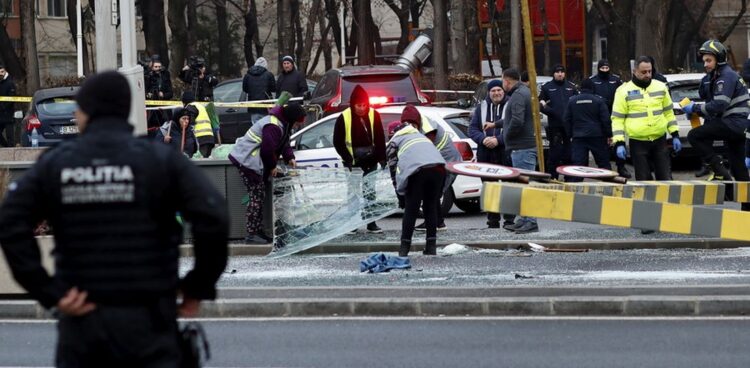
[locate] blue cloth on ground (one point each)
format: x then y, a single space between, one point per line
380 262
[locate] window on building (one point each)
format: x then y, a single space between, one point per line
61 66
7 8
57 8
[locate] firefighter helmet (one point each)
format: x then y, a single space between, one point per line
715 48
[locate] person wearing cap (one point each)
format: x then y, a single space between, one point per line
605 85
158 81
198 79
418 173
258 84
485 130
443 142
725 113
256 155
587 122
290 79
204 132
112 200
642 111
554 98
359 139
518 135
7 89
172 131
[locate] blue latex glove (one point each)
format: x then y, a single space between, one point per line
676 144
689 108
621 152
747 162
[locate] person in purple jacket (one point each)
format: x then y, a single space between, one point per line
256 154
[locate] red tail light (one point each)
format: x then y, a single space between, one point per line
334 102
465 150
32 123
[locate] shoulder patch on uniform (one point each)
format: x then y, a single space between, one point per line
719 86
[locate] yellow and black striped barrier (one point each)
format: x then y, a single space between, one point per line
158 102
738 191
695 192
532 201
15 99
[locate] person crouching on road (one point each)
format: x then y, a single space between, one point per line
204 132
443 143
256 154
587 120
172 131
418 173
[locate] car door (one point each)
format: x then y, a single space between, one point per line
233 121
313 146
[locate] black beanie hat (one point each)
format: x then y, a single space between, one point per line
293 112
359 95
558 68
602 62
188 97
105 94
587 85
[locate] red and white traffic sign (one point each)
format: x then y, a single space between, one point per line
586 172
533 174
483 170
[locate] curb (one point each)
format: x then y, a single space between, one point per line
237 249
631 306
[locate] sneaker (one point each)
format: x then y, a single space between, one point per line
527 227
442 227
374 228
493 225
514 226
623 171
646 232
421 227
257 239
705 170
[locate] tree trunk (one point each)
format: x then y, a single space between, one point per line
285 29
516 41
402 13
304 59
327 54
154 29
251 32
8 55
471 52
28 35
351 44
366 55
440 46
225 48
332 13
192 28
178 46
545 28
458 38
298 38
73 23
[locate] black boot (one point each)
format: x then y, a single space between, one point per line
623 171
430 248
403 251
705 170
720 171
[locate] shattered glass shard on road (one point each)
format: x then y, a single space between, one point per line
314 205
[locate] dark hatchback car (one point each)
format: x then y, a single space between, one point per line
385 84
51 113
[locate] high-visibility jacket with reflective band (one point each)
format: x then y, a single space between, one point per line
204 133
348 130
247 148
442 140
726 99
413 151
642 114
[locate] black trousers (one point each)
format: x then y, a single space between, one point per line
559 151
424 188
581 147
205 149
121 336
449 179
648 154
703 137
7 134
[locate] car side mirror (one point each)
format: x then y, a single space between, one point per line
463 103
307 95
293 144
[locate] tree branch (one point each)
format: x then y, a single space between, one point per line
604 9
734 22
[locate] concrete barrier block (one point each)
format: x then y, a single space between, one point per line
19 309
386 308
519 308
660 307
587 307
453 308
251 309
739 306
27 154
320 308
7 154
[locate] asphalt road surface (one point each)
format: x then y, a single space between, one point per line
443 342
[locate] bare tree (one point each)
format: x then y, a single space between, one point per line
297 25
620 34
734 23
8 55
458 37
304 59
154 28
225 48
192 26
285 30
178 26
365 38
402 13
332 12
516 40
545 28
440 44
28 35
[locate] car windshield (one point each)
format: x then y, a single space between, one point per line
60 106
678 92
390 86
228 92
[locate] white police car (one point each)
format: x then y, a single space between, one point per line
313 146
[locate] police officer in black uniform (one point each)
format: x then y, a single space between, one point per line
725 113
587 122
605 85
554 99
112 201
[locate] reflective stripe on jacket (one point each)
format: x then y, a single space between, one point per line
348 130
247 148
410 151
642 114
442 140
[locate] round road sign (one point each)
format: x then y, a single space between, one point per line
586 172
483 170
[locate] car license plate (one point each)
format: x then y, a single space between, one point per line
73 129
718 143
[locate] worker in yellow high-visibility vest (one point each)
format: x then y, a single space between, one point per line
642 110
204 133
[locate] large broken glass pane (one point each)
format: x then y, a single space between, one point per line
314 205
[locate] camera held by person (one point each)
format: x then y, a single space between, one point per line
158 81
201 82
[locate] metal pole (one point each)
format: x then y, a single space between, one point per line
127 33
343 34
106 38
531 67
130 69
79 39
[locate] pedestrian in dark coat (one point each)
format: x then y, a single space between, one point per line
259 84
171 132
290 79
587 122
605 85
112 200
554 100
7 89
